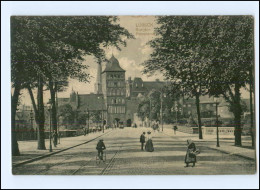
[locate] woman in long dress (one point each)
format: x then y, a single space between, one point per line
149 143
190 154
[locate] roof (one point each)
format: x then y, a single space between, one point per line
113 65
154 85
140 86
92 102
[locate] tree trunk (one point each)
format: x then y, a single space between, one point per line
53 111
34 105
15 147
251 110
237 111
198 113
41 135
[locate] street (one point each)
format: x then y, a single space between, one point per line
124 157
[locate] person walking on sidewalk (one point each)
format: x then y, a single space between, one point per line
175 129
149 144
142 140
191 154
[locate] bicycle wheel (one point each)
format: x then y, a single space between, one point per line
97 160
104 157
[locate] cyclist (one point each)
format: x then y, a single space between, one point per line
100 148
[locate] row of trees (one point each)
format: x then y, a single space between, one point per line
202 55
73 119
47 49
158 102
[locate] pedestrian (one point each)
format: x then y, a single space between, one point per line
149 144
175 129
191 153
142 140
55 137
100 148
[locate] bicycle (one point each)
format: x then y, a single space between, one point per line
98 160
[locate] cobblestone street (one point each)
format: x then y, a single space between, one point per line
124 157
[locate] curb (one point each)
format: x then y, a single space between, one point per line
50 154
223 151
239 155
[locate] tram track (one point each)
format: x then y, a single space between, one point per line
53 153
85 166
111 163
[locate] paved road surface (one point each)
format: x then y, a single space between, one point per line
124 157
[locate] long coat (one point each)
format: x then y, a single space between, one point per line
149 144
142 138
190 157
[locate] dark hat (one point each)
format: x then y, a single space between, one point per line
143 132
149 132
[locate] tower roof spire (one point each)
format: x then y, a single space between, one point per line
113 65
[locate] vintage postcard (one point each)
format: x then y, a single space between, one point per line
133 95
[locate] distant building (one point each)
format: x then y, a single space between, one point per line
115 97
137 86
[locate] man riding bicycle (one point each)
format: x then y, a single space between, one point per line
100 147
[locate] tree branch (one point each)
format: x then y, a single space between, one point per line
231 93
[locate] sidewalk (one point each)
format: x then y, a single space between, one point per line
226 143
29 151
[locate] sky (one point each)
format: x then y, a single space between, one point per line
130 58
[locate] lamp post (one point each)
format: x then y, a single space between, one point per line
162 96
162 110
57 110
88 118
150 112
31 118
58 119
50 108
216 102
176 111
102 114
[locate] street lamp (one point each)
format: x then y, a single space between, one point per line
176 111
88 118
216 102
50 108
102 113
31 118
162 95
150 113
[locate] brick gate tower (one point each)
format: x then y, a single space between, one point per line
114 91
